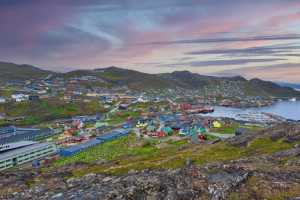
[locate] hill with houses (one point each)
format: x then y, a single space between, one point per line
135 80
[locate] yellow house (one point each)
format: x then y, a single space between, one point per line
217 124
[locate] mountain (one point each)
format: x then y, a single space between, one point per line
11 71
273 89
120 77
291 85
185 80
209 85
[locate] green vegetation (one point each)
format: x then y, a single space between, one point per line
121 117
225 129
46 110
109 151
230 129
131 153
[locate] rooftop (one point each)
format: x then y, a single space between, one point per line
9 154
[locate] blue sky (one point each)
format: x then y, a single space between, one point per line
251 38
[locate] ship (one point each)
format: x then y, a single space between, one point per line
202 110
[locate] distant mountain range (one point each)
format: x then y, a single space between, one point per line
292 85
11 71
232 86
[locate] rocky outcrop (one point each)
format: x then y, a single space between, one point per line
183 184
258 176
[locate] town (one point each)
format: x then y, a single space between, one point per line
150 100
53 120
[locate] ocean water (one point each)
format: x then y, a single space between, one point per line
286 109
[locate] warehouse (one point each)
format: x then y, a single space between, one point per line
26 154
113 135
13 134
7 131
15 145
80 147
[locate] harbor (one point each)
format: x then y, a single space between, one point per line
289 110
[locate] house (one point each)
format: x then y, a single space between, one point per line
2 115
100 125
20 97
34 98
92 94
168 130
157 134
216 124
240 131
151 128
2 100
184 131
87 118
123 106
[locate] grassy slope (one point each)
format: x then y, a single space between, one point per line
124 154
46 110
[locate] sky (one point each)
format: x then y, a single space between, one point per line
257 38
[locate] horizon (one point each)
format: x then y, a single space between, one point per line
256 39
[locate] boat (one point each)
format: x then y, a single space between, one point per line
203 110
293 99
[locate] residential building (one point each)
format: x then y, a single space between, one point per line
34 98
20 97
2 100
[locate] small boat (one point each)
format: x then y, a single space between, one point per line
293 99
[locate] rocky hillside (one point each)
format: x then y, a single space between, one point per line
265 165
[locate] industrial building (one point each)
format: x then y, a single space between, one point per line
77 148
15 145
12 134
113 135
25 154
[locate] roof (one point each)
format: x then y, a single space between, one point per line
114 133
15 145
23 150
25 135
82 146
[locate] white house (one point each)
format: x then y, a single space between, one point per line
20 97
2 100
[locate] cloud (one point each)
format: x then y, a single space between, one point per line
223 62
254 51
139 34
233 39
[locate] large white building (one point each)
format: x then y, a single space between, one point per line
26 154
